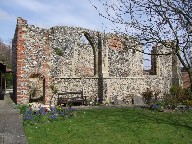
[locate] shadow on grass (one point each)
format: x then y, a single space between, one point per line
141 116
176 119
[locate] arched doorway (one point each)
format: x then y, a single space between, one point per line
37 88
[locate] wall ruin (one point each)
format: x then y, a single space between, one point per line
63 56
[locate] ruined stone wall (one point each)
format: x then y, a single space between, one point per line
168 66
74 69
123 62
126 88
87 85
15 42
31 50
164 62
77 59
63 56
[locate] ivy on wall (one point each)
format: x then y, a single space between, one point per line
58 51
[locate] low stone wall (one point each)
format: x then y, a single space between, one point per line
124 88
89 86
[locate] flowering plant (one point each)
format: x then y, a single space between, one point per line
44 114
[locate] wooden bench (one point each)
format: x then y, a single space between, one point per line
70 100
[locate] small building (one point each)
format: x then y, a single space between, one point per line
2 83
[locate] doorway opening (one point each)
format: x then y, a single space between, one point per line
37 88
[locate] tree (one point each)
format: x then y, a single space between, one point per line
5 57
153 22
5 53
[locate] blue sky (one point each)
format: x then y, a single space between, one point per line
48 13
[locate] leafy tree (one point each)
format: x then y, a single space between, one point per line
153 22
5 57
5 53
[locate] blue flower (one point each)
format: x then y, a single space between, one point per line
71 109
28 116
42 110
53 109
54 116
28 111
155 106
62 113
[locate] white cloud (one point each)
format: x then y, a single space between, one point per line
33 5
5 16
49 13
71 13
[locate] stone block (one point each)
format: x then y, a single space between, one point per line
137 100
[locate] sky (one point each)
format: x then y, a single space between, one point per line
48 13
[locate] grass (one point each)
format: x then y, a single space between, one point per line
115 126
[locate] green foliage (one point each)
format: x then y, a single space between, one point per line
189 103
175 90
147 96
5 53
115 126
150 96
54 88
177 96
44 115
169 101
22 108
151 99
58 51
9 80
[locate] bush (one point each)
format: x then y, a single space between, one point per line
177 96
9 80
147 96
151 99
150 96
169 101
22 108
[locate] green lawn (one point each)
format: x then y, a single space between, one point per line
115 126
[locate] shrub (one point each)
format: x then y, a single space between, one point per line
169 101
177 96
22 108
45 115
150 96
147 96
189 103
151 99
175 90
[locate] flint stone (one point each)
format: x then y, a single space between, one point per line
137 100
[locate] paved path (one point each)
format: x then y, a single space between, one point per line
11 128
